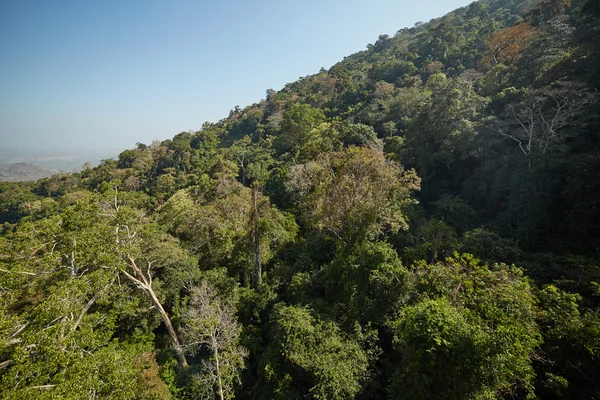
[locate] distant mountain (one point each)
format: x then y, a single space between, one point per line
54 160
21 172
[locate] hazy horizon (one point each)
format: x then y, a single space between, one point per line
104 75
58 160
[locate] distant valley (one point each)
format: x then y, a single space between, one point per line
20 166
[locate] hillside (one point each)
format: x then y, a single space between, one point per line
420 221
21 172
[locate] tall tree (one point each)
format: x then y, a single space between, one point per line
352 195
209 323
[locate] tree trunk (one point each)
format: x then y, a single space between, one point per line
87 307
170 329
255 222
145 284
220 382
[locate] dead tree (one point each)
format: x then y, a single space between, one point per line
255 237
209 323
535 122
144 282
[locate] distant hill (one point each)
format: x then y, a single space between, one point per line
57 160
21 172
422 220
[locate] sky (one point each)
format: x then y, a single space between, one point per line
81 75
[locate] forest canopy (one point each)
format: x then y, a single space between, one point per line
419 221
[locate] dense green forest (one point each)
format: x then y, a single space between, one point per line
420 221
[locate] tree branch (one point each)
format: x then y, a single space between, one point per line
145 285
18 272
45 387
88 305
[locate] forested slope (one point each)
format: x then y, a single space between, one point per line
420 221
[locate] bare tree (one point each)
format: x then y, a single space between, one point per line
535 121
124 237
255 236
144 282
241 153
210 324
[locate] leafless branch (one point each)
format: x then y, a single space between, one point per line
145 283
44 387
18 272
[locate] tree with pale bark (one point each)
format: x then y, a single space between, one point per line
210 329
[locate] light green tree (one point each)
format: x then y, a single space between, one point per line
352 195
310 357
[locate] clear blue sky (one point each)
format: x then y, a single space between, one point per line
105 74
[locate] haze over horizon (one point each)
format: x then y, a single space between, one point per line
107 74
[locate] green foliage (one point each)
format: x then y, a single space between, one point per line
495 108
444 350
445 129
470 333
488 245
313 356
352 195
357 135
254 159
304 133
434 240
113 372
215 222
571 344
14 200
455 211
366 284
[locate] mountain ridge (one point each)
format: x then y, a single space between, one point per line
23 171
420 221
